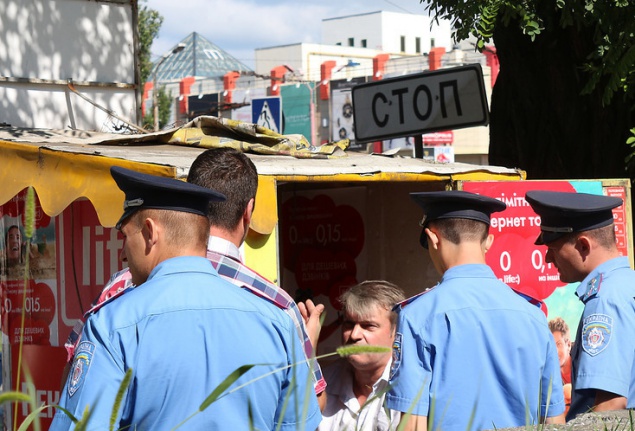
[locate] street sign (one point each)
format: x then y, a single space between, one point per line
267 112
425 102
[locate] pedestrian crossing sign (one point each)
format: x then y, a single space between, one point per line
267 112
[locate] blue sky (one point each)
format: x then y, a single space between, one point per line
240 26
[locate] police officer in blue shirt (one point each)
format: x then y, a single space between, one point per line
471 354
182 331
579 233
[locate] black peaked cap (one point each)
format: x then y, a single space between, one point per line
145 191
454 204
566 212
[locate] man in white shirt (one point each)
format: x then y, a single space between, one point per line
356 384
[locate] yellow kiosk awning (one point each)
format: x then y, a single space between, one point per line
63 166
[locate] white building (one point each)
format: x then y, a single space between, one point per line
314 81
357 39
353 42
390 32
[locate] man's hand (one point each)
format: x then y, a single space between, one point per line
605 401
415 423
311 315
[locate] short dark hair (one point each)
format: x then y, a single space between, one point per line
181 228
604 236
456 230
230 172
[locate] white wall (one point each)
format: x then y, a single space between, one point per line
383 31
45 43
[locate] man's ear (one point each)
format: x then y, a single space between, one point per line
150 231
433 239
249 211
583 244
488 242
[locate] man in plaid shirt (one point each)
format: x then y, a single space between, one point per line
232 173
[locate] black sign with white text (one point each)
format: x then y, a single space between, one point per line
444 99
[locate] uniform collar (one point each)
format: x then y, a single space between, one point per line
591 284
181 264
470 270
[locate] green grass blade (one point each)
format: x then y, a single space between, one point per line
470 422
14 396
379 394
356 350
82 424
408 414
309 391
250 415
31 417
222 387
431 411
123 387
67 413
285 404
30 387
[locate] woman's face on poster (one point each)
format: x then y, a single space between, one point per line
14 243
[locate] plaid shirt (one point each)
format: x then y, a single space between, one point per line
225 258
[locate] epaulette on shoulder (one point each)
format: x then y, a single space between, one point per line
533 301
109 294
593 288
401 305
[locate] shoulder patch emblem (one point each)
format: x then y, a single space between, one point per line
596 333
83 358
396 355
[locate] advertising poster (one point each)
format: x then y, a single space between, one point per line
45 365
28 288
342 110
439 154
322 237
89 255
521 264
28 271
430 140
70 258
296 109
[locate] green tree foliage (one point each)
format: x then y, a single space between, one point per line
164 101
562 104
150 22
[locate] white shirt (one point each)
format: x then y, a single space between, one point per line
342 411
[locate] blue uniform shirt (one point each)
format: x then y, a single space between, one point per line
182 333
603 356
473 346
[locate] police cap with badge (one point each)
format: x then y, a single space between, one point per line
145 191
454 204
567 212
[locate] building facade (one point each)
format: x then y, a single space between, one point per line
314 82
